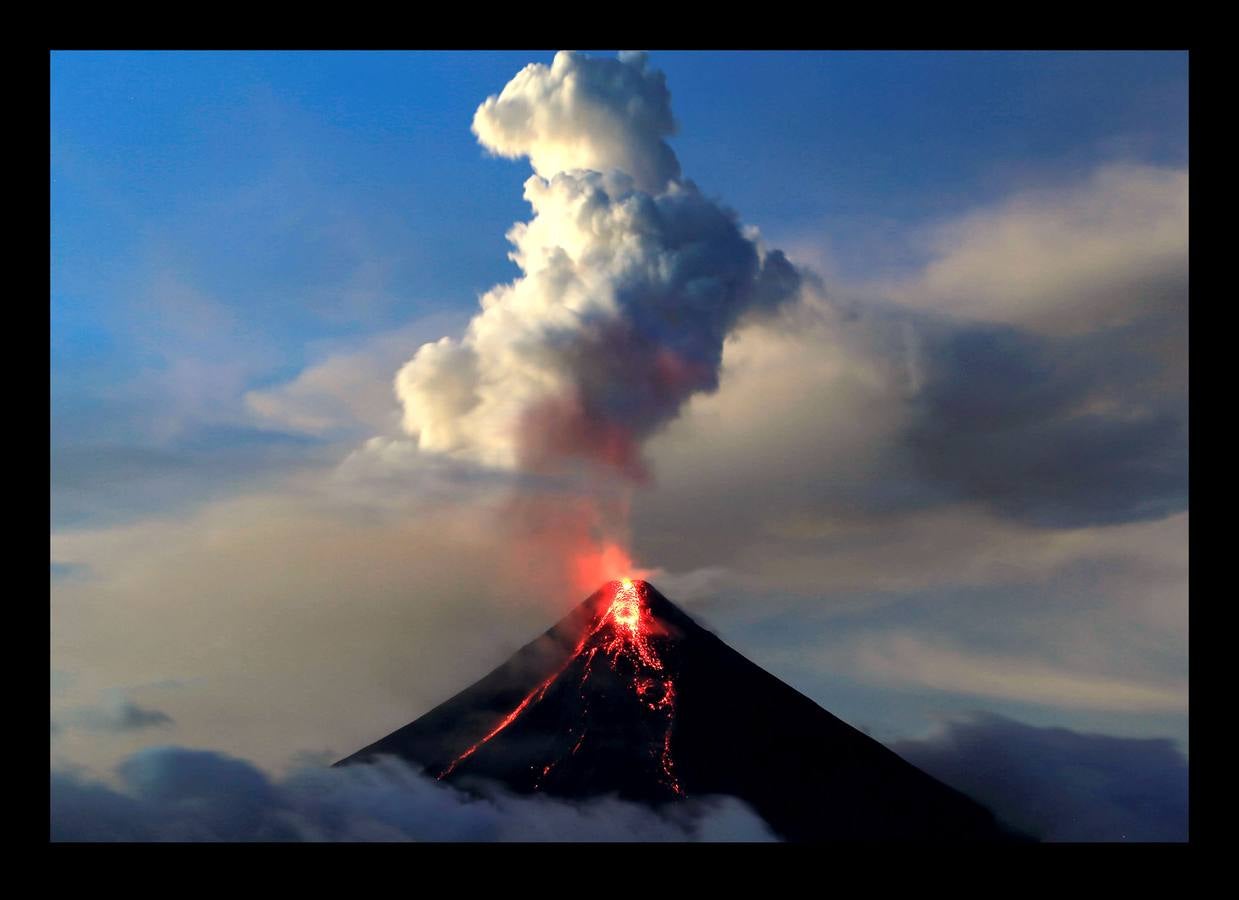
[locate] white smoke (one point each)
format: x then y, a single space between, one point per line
583 113
632 279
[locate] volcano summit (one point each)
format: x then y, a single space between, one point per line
627 695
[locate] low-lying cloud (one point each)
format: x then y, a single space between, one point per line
1058 784
179 794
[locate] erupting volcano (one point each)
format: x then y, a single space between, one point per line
626 633
629 696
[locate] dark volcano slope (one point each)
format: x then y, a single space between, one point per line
732 728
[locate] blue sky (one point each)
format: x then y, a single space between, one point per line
246 247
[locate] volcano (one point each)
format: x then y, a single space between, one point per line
628 696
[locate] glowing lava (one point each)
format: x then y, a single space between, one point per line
622 632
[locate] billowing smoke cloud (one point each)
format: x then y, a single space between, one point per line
632 280
178 794
583 113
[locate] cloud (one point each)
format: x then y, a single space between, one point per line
1073 431
585 112
993 448
844 410
116 715
350 612
1097 254
190 360
908 661
630 284
67 570
331 396
855 454
1058 784
179 794
349 391
98 484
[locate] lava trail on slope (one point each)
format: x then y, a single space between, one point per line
624 703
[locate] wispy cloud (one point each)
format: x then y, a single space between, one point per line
117 714
1063 260
908 661
351 390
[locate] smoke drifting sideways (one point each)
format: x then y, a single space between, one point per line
180 794
632 280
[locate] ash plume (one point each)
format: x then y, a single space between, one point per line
631 280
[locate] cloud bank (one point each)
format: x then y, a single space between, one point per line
1058 784
179 794
848 418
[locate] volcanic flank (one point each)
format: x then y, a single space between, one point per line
627 695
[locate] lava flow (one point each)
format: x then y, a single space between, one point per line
622 631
